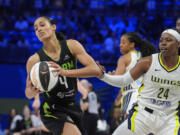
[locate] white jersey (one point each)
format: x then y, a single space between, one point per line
130 92
160 90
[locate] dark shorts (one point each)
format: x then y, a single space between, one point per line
61 114
46 133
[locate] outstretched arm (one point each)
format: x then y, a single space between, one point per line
90 68
118 80
121 80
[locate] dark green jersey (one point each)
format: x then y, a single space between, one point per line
66 90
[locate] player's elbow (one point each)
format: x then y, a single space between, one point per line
28 96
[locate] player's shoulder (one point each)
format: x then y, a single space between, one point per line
145 62
72 42
74 46
125 59
33 58
147 59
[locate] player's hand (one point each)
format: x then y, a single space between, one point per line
57 68
111 72
102 68
32 88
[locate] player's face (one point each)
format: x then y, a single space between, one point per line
26 111
124 45
178 24
168 45
43 29
13 113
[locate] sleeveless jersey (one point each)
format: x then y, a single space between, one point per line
160 90
130 92
66 89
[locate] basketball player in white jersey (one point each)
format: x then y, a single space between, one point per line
157 107
129 44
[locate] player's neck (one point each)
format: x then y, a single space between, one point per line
170 61
132 50
51 45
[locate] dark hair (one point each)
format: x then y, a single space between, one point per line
145 47
60 36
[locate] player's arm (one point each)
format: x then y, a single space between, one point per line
85 104
90 68
31 91
123 62
121 80
117 101
82 90
36 103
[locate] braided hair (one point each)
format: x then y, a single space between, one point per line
145 47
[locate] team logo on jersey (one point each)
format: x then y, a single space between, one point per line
161 103
157 70
158 80
68 65
62 95
66 57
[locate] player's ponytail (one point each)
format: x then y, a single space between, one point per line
60 36
145 47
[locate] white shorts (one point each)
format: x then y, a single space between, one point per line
143 122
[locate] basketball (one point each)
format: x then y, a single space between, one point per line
42 77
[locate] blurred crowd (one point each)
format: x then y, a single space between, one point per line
26 123
97 24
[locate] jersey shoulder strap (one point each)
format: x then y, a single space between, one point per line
65 49
43 56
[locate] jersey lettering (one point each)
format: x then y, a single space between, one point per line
63 81
68 65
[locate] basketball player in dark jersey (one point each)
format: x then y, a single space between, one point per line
59 113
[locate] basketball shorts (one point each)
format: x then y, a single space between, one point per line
143 120
133 100
46 133
54 121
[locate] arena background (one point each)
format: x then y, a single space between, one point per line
97 24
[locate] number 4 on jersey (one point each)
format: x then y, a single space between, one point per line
63 81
